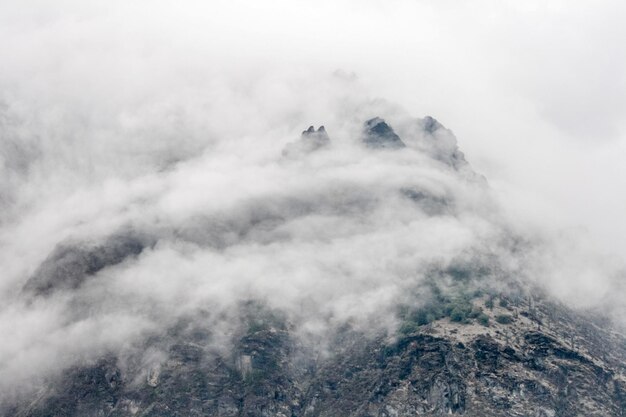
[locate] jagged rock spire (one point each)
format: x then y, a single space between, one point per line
310 140
378 134
430 124
319 136
440 143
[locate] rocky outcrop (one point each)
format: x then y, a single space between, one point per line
440 143
70 264
319 136
379 135
310 140
443 368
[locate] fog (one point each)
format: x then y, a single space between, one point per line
164 126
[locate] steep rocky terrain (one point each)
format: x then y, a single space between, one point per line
469 339
547 361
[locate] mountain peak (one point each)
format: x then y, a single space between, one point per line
310 140
378 134
319 136
430 124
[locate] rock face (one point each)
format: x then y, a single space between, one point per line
310 140
69 265
319 136
428 135
569 368
439 142
378 134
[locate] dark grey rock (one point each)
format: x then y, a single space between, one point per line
310 140
378 134
417 374
70 264
430 124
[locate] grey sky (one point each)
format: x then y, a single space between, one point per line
534 89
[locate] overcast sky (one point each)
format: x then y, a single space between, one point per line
535 90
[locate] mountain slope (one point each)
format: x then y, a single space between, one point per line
410 303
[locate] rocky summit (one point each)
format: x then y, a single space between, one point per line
378 134
472 337
310 140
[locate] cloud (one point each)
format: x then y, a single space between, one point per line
336 235
167 124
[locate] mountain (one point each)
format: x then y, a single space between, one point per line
462 334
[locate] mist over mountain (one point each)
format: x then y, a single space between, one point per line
252 272
242 210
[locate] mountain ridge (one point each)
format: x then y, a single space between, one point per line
467 334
